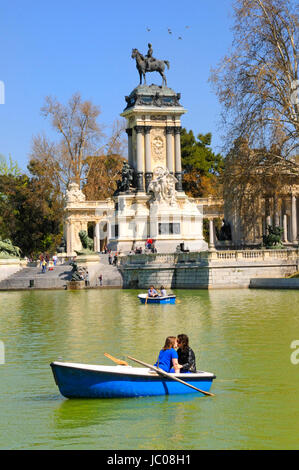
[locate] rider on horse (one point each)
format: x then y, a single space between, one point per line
149 56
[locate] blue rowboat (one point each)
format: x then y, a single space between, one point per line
97 381
168 299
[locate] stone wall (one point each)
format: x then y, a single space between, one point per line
9 266
205 270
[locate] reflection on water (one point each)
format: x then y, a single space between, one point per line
243 336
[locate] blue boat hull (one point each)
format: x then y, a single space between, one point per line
158 300
81 383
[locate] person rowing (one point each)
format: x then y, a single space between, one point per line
152 292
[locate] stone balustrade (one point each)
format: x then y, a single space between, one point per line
200 257
209 269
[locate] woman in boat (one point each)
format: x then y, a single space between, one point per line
152 292
168 357
186 356
163 292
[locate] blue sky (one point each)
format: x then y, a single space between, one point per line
61 47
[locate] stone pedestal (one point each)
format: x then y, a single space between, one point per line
140 217
75 285
153 116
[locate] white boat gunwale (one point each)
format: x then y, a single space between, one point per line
144 296
133 371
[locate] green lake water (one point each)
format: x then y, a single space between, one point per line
243 336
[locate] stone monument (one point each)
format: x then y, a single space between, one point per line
156 207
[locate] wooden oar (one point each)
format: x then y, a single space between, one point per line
169 376
118 361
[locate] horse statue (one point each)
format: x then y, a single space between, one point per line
149 64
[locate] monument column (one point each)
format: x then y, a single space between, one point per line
285 228
169 149
148 168
294 218
267 213
139 139
130 148
97 237
178 161
275 210
211 235
69 238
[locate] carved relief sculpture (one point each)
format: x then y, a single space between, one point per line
163 186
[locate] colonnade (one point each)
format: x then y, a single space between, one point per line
143 160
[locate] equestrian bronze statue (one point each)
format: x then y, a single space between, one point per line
149 64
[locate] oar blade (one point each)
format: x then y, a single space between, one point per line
117 361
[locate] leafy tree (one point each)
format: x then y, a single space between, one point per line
102 174
10 168
201 166
31 211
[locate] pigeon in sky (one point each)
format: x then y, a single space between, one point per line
148 29
169 31
180 37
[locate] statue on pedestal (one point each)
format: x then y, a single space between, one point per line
127 176
149 64
74 194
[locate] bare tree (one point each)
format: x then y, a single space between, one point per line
257 83
81 140
80 136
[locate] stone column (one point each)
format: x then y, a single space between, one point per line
211 235
130 147
169 149
69 240
275 210
178 160
285 228
97 237
139 131
148 167
294 219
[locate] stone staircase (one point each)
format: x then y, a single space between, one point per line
110 273
33 278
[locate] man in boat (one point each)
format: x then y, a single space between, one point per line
152 292
186 356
